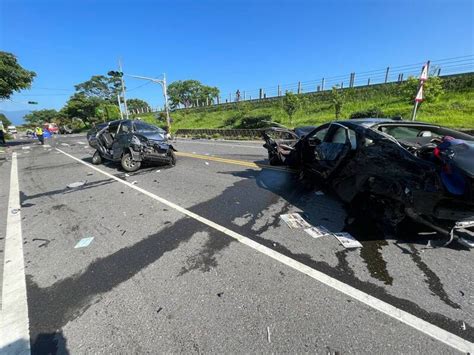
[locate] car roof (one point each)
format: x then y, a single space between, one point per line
370 122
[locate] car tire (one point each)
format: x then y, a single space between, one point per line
128 164
96 158
172 156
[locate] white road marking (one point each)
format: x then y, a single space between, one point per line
14 323
423 326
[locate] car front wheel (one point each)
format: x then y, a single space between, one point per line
128 164
96 158
172 156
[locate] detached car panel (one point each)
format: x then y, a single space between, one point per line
131 143
388 168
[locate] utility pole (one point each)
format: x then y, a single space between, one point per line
123 89
162 82
120 106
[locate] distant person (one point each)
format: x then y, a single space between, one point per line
39 134
2 136
237 95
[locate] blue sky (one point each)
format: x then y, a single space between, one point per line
229 44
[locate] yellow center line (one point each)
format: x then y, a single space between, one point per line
234 162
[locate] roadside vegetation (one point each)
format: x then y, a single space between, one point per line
449 102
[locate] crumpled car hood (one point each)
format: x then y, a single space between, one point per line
154 136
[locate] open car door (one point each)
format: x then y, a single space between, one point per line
280 143
327 155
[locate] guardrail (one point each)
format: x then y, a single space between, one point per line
226 133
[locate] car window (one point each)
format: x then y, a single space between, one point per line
144 127
403 132
339 136
125 127
319 134
113 128
411 132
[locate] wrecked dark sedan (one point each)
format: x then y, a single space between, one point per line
389 169
131 143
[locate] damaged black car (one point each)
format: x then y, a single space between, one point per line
389 169
131 143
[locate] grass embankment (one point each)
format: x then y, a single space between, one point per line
454 108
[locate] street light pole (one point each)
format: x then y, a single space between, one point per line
162 82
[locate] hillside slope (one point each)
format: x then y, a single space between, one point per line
454 108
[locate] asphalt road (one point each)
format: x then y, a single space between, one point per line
195 258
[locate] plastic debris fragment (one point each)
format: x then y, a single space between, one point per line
76 184
84 242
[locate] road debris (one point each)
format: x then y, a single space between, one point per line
27 147
269 334
347 240
134 182
65 144
84 242
45 244
295 221
15 210
220 294
127 175
76 184
319 193
80 143
207 163
463 326
158 171
159 309
90 173
317 232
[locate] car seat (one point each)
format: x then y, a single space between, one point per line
107 139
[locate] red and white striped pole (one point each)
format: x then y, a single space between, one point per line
419 94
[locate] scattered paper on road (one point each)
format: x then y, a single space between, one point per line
27 147
84 242
317 232
347 240
295 221
207 163
65 144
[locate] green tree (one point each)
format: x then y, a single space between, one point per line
6 122
82 107
13 77
100 86
337 100
432 89
107 112
188 92
291 104
137 104
39 117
